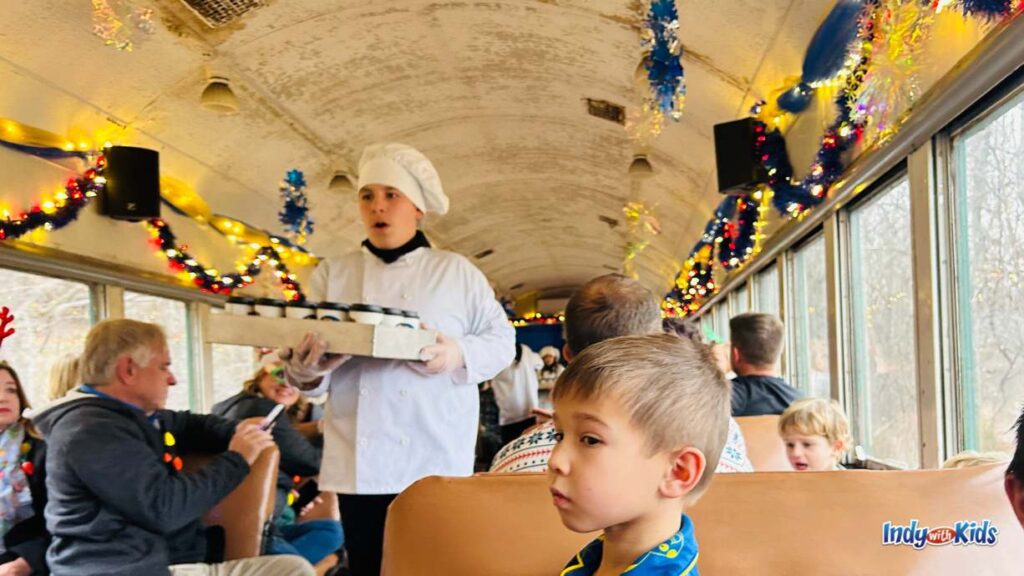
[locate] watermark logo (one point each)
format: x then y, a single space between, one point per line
963 533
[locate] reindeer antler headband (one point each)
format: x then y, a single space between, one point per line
6 319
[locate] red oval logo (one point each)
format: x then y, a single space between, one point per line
940 536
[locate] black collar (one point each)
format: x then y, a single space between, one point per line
392 255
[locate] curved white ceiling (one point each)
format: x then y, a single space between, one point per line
493 91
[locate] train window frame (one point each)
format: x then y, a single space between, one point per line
739 299
37 388
792 289
954 269
852 333
193 340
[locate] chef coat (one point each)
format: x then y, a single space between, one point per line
515 388
389 423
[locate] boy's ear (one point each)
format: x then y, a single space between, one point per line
734 355
566 353
838 449
688 467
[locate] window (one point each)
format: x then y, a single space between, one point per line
738 301
232 366
809 327
988 247
52 317
707 324
172 315
722 320
766 291
884 407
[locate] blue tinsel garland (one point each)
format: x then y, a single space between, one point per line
988 9
739 234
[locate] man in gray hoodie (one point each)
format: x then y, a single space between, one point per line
119 503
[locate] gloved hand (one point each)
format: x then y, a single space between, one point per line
444 357
306 364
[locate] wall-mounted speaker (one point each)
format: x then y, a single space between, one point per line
739 169
133 184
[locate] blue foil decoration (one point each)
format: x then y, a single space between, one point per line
826 54
796 99
295 212
665 72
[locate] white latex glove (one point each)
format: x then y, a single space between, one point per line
307 364
444 357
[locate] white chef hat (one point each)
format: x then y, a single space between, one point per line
407 169
550 350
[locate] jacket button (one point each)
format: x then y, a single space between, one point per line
403 392
404 441
363 442
363 392
405 296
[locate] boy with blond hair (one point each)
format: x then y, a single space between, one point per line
816 433
640 423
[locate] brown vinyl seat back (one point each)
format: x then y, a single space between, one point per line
763 523
245 512
494 524
765 448
326 509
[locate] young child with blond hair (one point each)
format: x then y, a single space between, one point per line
640 422
816 433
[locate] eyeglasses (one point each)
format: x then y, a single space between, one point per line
278 374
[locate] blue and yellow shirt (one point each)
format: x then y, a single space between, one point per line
676 556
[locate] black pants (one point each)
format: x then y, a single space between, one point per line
362 517
510 432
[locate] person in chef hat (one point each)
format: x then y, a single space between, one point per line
548 374
389 423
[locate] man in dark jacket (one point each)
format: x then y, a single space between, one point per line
119 503
757 389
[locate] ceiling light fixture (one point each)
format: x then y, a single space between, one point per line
342 182
641 167
218 96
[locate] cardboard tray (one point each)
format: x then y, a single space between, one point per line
341 337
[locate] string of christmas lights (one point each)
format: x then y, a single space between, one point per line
537 318
59 211
209 279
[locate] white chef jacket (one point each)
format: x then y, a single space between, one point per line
515 388
389 423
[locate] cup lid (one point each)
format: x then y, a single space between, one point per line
270 302
367 308
410 314
241 300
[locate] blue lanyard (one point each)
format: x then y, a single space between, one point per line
151 418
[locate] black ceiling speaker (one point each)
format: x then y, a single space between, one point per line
739 169
133 184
